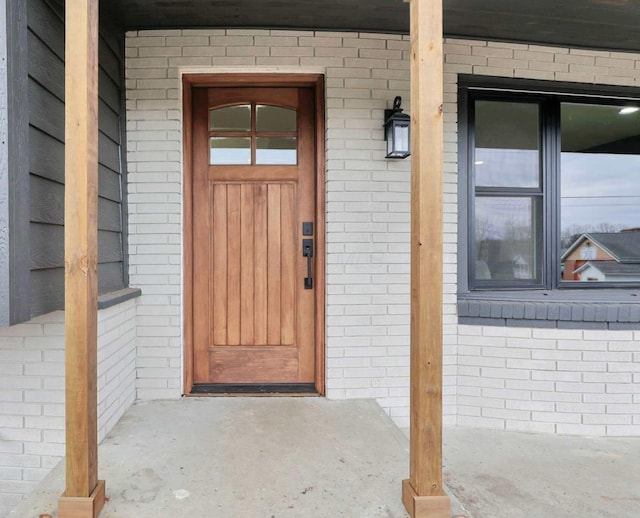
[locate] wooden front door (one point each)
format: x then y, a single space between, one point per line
254 210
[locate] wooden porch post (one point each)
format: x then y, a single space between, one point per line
84 495
422 494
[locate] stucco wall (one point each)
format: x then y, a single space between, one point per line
565 381
32 393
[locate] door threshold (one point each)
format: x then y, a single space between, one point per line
254 389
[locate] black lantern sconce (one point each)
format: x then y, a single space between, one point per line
397 131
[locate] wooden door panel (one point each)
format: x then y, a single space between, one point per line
247 262
288 260
261 291
254 265
253 320
274 266
254 365
233 264
244 173
220 267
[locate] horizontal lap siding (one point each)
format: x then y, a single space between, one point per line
32 353
46 152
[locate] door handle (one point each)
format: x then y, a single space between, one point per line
307 251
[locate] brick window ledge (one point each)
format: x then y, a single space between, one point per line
114 298
615 309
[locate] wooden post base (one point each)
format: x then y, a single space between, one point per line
77 507
424 506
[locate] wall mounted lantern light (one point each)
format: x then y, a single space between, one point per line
397 131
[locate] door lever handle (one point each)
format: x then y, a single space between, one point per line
307 251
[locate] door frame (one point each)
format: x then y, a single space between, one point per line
314 81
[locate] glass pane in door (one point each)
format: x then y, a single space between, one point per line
276 150
230 151
275 118
230 118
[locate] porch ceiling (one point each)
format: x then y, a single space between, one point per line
609 24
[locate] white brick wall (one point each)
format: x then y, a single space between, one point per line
368 210
524 379
32 393
562 381
549 380
538 380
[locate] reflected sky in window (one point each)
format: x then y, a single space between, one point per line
600 170
600 191
507 168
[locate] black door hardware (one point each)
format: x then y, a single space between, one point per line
307 251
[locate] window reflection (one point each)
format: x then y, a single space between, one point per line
508 196
230 151
600 194
230 118
251 134
506 230
276 150
275 118
507 136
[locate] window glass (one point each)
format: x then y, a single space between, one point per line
507 144
506 239
230 118
230 151
600 193
276 150
572 219
275 118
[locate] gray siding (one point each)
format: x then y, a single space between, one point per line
5 305
46 164
14 177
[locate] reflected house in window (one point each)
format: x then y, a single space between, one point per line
521 267
604 257
504 260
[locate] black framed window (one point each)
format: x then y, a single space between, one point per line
553 190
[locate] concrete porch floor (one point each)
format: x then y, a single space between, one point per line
246 458
313 458
498 474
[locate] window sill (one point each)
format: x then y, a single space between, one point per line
565 309
113 298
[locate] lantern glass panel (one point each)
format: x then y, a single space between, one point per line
402 137
389 130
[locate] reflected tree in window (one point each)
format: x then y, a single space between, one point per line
600 193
